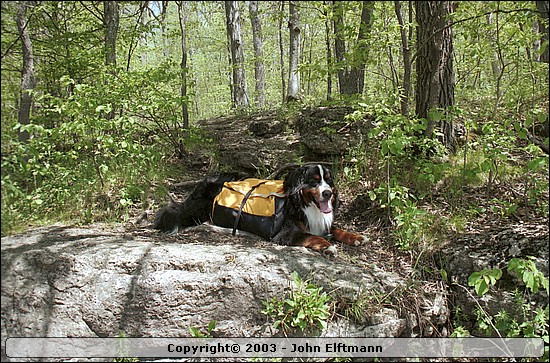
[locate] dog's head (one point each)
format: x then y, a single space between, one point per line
313 184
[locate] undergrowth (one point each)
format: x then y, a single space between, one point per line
526 321
306 308
43 184
428 192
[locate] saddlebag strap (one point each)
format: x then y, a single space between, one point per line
238 218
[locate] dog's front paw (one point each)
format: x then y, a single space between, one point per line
348 238
319 244
331 251
360 240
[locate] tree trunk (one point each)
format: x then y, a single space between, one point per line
495 63
144 56
182 21
543 9
259 71
163 27
239 88
27 74
406 87
293 93
351 70
282 51
434 68
340 47
361 53
110 20
329 54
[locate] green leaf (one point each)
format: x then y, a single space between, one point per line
211 325
196 333
295 277
384 149
472 279
443 274
290 302
535 163
514 263
481 280
481 287
486 165
103 168
530 282
496 273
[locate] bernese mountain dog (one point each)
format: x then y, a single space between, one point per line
309 207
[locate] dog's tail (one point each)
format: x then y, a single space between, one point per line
168 219
195 209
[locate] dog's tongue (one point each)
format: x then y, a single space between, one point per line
325 207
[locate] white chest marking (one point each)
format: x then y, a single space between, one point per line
318 223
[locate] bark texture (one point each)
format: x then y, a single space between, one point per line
27 74
257 40
435 82
234 34
293 93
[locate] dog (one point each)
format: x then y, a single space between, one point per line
308 211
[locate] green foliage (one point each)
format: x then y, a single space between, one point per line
533 322
460 332
123 350
82 169
521 268
396 133
410 221
305 308
528 273
359 306
85 154
197 333
481 280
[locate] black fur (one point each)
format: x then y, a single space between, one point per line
194 210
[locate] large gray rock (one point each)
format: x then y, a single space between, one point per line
264 142
252 143
325 131
86 282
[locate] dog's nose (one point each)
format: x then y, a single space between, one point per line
327 194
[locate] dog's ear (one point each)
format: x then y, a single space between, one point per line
335 200
294 180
